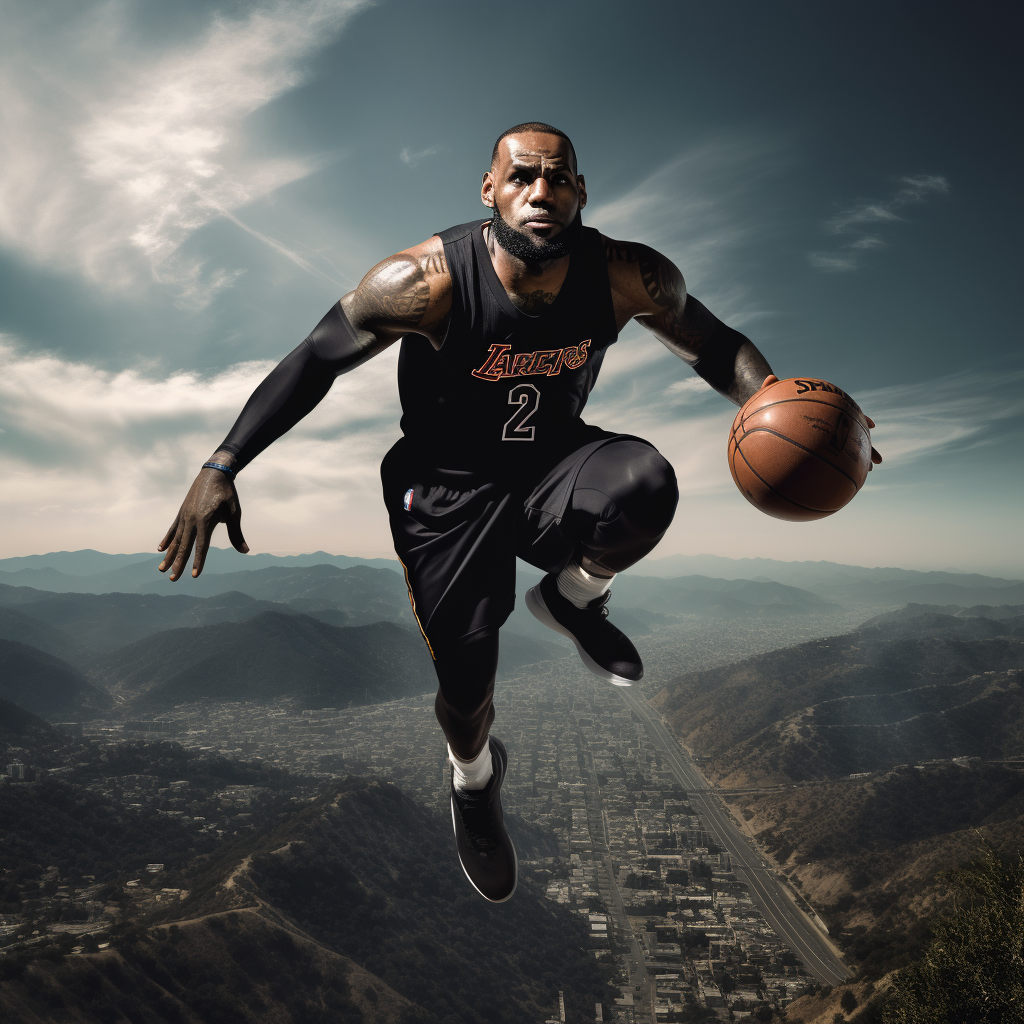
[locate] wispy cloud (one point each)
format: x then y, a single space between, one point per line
699 210
833 260
93 458
413 156
965 409
867 215
912 190
689 386
113 155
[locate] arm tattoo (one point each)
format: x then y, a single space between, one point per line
436 263
394 294
727 360
661 278
619 252
665 286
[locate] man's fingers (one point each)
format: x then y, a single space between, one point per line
203 537
235 529
770 379
172 548
169 535
870 422
184 548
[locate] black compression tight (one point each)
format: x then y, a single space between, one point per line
465 674
622 504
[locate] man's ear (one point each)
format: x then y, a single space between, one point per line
582 185
487 190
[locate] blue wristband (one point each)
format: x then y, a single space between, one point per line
220 465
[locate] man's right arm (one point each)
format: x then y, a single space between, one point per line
408 292
393 299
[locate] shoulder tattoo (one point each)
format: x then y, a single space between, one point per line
661 277
394 292
619 252
435 263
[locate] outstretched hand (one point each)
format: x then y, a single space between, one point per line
876 458
211 499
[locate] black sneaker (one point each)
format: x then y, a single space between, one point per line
605 650
485 850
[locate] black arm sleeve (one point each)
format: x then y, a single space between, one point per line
295 386
717 360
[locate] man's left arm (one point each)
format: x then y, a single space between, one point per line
649 287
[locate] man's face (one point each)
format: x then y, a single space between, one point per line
534 187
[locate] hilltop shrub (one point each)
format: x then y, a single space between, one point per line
972 971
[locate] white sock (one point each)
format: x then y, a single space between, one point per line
473 774
577 585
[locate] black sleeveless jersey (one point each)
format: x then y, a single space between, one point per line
506 389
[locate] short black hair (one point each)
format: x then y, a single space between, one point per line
533 126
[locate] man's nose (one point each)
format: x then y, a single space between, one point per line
540 191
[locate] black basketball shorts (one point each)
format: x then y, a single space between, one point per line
457 533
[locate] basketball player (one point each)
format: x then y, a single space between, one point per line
504 324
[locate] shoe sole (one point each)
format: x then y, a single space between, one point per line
539 610
515 858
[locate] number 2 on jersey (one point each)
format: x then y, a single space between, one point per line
527 397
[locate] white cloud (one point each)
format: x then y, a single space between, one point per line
94 458
915 189
832 261
867 242
112 155
689 386
866 213
912 190
413 156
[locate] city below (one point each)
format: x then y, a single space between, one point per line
678 902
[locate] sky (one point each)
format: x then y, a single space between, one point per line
185 190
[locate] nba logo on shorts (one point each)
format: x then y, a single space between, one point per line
407 500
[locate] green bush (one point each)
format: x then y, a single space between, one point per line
972 971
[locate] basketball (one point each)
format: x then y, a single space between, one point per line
800 449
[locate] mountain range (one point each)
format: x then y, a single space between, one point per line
48 686
367 594
20 728
266 657
869 852
155 650
848 585
261 658
88 562
897 689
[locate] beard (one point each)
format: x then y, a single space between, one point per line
530 249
